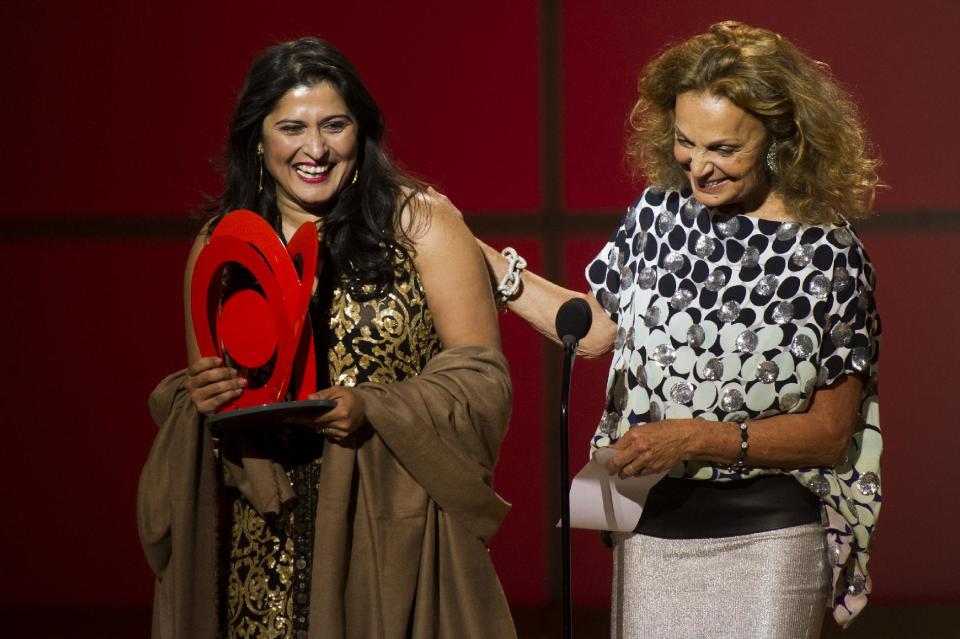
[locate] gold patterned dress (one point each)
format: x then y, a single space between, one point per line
372 336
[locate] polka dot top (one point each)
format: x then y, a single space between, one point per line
730 317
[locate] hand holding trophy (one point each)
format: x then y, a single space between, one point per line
263 327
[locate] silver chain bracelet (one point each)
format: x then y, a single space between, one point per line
510 282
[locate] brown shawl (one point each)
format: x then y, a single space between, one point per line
403 512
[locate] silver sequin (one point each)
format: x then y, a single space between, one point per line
608 425
729 312
621 338
856 585
801 346
787 231
788 401
690 209
731 400
767 285
751 257
729 227
639 242
783 313
626 277
665 222
747 341
682 392
652 316
656 414
860 358
630 222
716 280
664 355
819 286
841 279
681 299
704 246
695 336
647 277
641 375
842 335
842 237
673 262
630 335
868 484
618 391
767 372
713 369
819 485
833 554
802 256
610 303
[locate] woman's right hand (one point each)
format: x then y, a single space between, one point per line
211 385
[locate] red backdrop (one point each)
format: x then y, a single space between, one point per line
113 111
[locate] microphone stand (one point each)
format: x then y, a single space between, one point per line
569 353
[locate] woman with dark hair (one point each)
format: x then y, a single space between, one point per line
738 303
374 524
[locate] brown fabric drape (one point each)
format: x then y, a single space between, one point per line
404 510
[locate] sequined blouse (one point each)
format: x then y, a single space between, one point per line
733 318
384 339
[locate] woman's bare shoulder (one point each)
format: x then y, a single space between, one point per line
428 215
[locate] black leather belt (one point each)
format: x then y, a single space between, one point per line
693 509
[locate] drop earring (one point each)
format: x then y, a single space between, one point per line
356 172
772 158
260 161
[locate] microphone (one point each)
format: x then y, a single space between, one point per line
573 321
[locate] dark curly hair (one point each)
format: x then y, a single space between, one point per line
824 163
360 232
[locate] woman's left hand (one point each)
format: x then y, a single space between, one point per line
343 419
651 448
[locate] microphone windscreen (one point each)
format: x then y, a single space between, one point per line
573 319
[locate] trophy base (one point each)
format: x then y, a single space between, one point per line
268 416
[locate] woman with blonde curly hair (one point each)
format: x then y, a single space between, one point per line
738 303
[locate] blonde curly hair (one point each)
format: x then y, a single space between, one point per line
824 164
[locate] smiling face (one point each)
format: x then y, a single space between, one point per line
310 146
722 150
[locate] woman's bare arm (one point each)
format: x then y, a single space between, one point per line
452 270
817 437
539 300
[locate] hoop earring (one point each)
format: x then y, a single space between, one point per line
356 172
260 162
772 158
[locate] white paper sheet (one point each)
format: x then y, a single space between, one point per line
600 501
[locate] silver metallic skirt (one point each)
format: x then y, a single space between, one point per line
767 585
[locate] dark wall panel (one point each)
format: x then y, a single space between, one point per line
895 57
95 327
919 306
118 107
